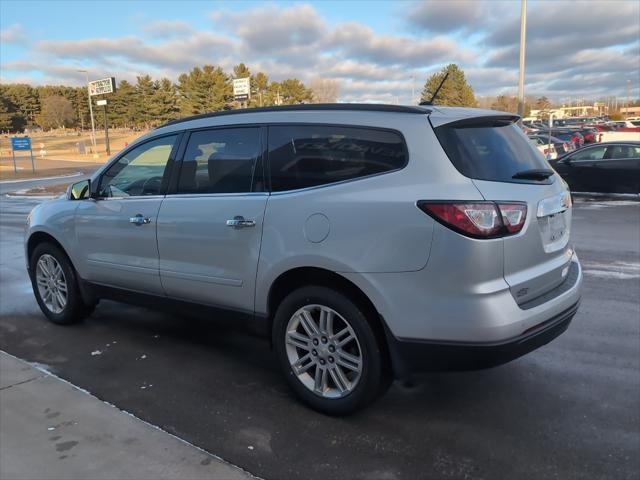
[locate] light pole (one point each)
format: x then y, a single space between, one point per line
523 39
628 98
413 89
93 126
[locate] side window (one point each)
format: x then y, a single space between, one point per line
139 172
623 151
220 161
308 155
595 153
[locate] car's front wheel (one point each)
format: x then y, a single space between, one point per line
328 350
55 285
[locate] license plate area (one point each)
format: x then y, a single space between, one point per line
554 231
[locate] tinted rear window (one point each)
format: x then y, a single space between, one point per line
302 156
489 151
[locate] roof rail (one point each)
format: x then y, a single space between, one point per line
367 107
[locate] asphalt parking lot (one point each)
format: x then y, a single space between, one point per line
568 410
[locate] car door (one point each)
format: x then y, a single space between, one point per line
582 169
621 169
116 228
210 224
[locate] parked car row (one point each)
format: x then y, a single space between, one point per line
602 157
612 167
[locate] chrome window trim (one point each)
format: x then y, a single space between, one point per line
554 204
234 194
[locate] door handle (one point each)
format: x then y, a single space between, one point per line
240 222
139 220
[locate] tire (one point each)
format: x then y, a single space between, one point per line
73 309
332 393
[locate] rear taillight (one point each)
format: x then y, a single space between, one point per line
545 151
478 219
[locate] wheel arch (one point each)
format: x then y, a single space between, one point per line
294 278
39 237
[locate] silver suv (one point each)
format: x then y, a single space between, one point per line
366 241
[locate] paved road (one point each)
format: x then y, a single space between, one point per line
569 410
16 185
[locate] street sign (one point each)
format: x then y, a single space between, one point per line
100 103
241 88
105 85
20 143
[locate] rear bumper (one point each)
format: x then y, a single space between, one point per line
422 356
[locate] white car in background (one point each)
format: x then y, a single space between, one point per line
548 150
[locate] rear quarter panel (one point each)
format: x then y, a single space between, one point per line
370 225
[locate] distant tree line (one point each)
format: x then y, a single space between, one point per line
149 102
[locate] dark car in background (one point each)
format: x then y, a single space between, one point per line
562 146
568 136
612 167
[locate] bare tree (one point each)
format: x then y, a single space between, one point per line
325 90
57 112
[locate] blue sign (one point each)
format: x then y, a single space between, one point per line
22 143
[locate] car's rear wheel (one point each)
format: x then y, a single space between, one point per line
328 350
55 285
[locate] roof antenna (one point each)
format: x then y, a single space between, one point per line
435 94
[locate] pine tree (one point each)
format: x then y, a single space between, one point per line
143 100
260 82
7 113
122 109
165 101
455 91
293 91
206 89
241 71
26 101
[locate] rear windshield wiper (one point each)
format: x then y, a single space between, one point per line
535 174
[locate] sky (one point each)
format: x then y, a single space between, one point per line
377 51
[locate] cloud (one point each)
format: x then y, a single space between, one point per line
14 34
361 42
167 28
448 16
271 28
202 47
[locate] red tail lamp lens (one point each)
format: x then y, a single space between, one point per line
478 219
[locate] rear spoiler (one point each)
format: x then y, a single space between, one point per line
484 121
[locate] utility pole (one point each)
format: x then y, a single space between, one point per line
413 89
93 126
523 39
106 125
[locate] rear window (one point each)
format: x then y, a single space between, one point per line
489 149
302 156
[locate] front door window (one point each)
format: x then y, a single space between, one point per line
138 172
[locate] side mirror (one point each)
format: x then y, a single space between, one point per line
80 190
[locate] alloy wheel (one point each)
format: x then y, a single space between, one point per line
51 283
323 351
